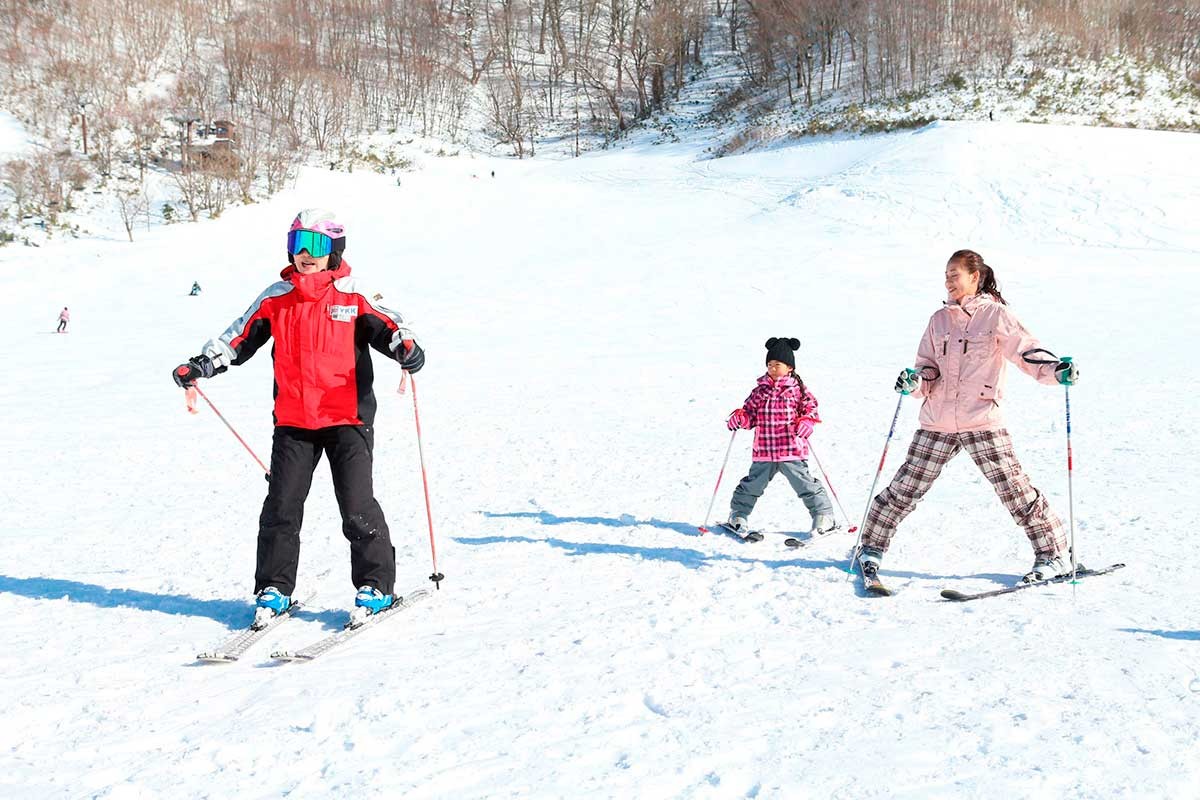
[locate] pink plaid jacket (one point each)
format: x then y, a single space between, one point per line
774 408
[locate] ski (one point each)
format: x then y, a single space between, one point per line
748 536
813 537
323 646
1081 572
232 649
872 585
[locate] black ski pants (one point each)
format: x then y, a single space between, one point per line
295 453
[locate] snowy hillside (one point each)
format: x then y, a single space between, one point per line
589 324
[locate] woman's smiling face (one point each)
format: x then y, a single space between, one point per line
960 282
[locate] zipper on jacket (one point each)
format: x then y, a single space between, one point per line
943 347
964 341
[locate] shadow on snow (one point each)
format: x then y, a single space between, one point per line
623 521
692 559
233 613
1186 635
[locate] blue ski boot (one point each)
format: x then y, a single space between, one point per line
371 599
368 601
269 604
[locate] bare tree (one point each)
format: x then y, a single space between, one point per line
18 178
192 186
54 176
131 202
103 133
143 122
323 109
279 164
145 39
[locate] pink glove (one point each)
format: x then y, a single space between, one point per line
804 428
738 419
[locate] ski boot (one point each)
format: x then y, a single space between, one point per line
1046 567
368 601
869 560
737 524
269 604
823 524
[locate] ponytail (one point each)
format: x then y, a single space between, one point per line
987 283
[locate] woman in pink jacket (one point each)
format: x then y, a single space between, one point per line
960 375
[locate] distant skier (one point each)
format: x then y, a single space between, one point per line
64 317
322 320
782 412
195 288
959 374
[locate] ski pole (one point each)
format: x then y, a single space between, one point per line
1029 357
221 417
832 491
871 494
721 474
436 577
1070 470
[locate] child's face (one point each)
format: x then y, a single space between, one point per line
777 369
306 264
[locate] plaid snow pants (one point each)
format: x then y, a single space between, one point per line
992 452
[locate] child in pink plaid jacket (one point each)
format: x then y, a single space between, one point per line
782 412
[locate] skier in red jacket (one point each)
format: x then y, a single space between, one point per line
321 320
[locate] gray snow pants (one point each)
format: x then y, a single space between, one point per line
807 488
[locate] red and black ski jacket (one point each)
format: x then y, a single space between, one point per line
322 324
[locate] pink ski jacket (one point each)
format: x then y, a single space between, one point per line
968 344
774 408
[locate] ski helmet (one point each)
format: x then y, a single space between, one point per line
321 220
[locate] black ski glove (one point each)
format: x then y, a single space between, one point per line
200 366
410 355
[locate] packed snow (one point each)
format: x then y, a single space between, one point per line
589 324
13 139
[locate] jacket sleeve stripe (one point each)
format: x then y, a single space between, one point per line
225 349
393 320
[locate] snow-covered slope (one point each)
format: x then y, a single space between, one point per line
13 139
589 324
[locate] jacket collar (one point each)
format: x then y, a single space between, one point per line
315 284
971 304
786 382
